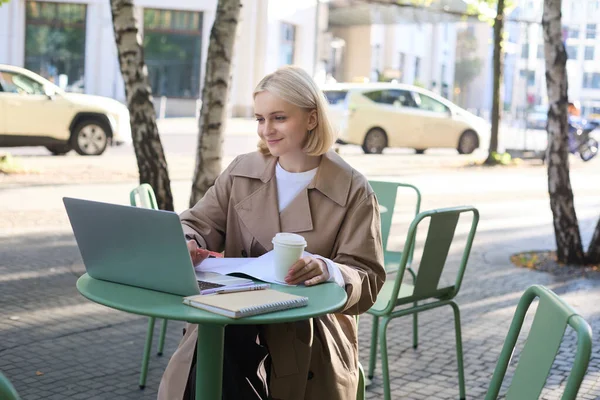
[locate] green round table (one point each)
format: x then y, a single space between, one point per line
322 299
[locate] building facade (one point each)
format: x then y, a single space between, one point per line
72 44
416 54
581 32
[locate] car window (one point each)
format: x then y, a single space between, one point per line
403 98
427 103
396 97
335 96
21 84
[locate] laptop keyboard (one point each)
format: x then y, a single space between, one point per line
208 285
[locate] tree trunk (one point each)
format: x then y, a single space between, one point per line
593 253
497 72
213 113
569 248
151 161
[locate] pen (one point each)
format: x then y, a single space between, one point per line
235 289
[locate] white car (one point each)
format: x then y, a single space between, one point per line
380 115
36 112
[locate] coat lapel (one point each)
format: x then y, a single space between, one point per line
296 217
259 211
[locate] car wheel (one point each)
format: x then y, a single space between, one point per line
420 151
468 142
90 138
375 141
59 149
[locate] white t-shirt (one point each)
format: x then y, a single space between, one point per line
289 185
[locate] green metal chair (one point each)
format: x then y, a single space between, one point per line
143 196
537 356
386 193
442 225
360 394
7 390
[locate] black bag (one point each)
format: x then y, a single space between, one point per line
246 366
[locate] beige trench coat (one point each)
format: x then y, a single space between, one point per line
338 216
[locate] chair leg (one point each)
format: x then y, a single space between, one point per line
161 338
459 352
415 328
373 351
360 393
384 358
146 356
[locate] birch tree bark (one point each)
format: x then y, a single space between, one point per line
497 71
213 112
149 153
569 248
593 254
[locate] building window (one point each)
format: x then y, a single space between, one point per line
572 52
288 43
417 67
525 51
528 75
401 61
590 31
589 52
591 80
172 49
540 51
572 33
55 42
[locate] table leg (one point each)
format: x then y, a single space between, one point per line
209 367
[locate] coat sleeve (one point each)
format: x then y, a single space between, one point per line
358 253
206 222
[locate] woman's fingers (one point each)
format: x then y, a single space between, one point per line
307 269
196 253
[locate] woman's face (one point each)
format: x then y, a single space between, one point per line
282 125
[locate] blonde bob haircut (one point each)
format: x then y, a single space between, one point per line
294 85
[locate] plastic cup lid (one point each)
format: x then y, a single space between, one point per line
289 239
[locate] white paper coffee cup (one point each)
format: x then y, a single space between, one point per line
288 248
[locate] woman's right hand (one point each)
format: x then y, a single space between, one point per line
196 253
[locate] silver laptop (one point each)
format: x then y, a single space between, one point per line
133 246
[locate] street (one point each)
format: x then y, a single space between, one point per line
54 344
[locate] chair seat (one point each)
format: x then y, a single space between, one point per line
405 295
384 296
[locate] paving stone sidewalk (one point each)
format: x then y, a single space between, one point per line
54 344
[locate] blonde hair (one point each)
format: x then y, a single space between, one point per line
294 85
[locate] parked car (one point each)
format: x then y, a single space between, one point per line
537 118
36 112
380 115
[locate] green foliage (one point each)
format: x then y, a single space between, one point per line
3 1
11 165
467 65
486 9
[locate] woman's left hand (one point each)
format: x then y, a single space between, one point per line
309 270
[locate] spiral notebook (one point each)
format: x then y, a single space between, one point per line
246 304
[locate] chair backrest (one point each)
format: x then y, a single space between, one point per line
7 391
537 356
143 196
386 193
442 225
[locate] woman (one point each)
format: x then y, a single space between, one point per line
294 183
